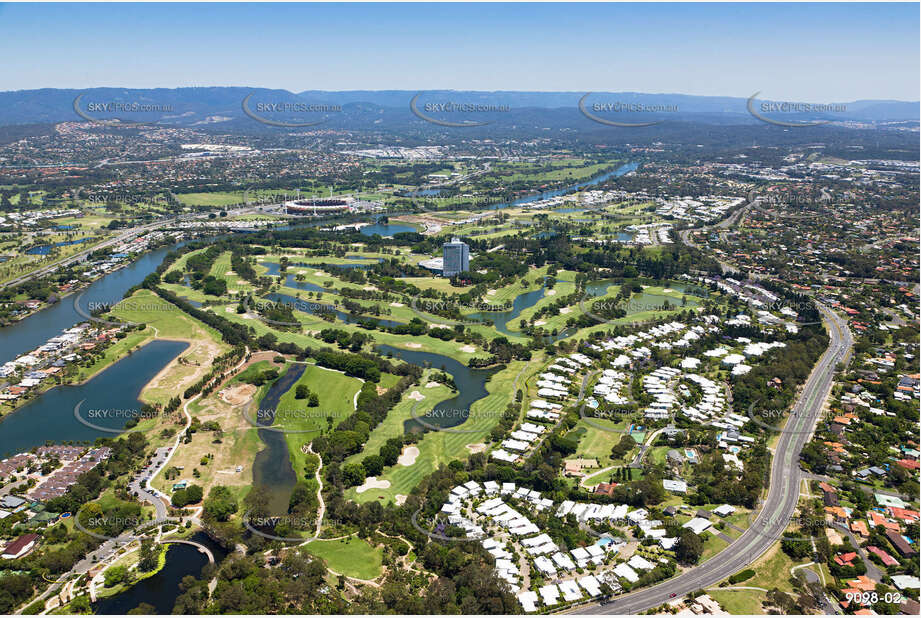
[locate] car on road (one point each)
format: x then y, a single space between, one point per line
673 595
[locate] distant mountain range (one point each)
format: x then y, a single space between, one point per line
214 106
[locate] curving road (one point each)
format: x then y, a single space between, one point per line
777 508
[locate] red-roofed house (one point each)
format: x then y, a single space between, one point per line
883 555
906 515
862 583
846 559
876 519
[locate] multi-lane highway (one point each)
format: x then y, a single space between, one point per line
777 508
123 236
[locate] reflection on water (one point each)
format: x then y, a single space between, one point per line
620 171
471 386
386 229
272 466
50 416
161 590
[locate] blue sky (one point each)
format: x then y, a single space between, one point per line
814 52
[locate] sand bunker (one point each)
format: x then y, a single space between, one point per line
397 305
469 349
438 326
566 310
320 273
370 288
415 346
235 395
490 291
668 290
476 448
551 292
416 395
372 483
381 390
409 455
540 322
400 499
432 385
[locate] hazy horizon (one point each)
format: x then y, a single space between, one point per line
802 52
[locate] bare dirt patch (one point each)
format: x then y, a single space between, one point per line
381 390
240 393
188 367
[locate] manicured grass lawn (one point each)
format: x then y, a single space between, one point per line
166 321
564 286
657 454
251 372
596 443
740 519
388 380
739 602
392 426
639 309
712 546
772 570
451 349
146 307
86 222
440 447
337 396
220 269
218 198
179 264
353 557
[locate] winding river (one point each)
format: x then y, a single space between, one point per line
620 171
272 466
50 417
33 331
